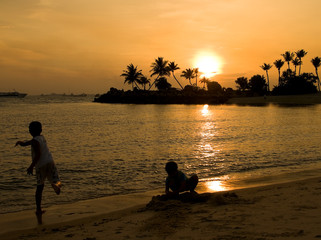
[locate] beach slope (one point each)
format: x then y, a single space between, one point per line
280 211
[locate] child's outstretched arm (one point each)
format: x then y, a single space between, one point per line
23 143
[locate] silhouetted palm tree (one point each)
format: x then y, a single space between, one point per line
204 80
266 68
279 64
188 74
296 62
317 63
288 56
300 54
195 74
132 75
172 67
144 81
159 68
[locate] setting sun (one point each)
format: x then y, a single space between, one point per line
208 65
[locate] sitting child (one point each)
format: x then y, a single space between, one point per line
177 181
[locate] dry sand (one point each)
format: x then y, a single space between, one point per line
280 211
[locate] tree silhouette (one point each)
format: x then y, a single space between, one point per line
292 84
172 67
300 54
266 68
296 62
279 64
159 68
214 87
288 56
132 75
242 83
257 85
162 84
188 74
204 80
144 81
316 63
195 74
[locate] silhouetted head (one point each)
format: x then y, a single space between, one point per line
171 167
35 128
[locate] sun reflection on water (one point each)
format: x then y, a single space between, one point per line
205 111
216 186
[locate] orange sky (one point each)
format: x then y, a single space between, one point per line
78 46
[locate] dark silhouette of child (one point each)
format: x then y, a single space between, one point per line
43 162
177 181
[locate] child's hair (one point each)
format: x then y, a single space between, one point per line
35 127
171 167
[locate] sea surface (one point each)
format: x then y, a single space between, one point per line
107 149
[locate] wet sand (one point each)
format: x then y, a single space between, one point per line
288 210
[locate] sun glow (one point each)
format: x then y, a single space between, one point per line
205 110
216 186
208 65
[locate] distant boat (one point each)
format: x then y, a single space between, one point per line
13 94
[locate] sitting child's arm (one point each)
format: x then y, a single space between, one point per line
170 193
181 188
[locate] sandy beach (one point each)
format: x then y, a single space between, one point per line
289 210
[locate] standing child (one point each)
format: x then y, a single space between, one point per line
43 162
177 181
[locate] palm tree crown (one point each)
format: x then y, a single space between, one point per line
296 62
172 66
300 54
266 68
144 81
188 74
288 56
195 73
317 63
159 68
279 64
132 75
204 80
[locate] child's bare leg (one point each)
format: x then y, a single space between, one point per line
39 211
39 196
56 187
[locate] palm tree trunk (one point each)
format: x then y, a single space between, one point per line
177 81
137 86
267 76
153 83
279 76
316 71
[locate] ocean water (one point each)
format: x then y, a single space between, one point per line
108 149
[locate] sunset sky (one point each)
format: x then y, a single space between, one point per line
76 46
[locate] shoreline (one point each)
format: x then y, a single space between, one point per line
292 100
283 100
82 212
